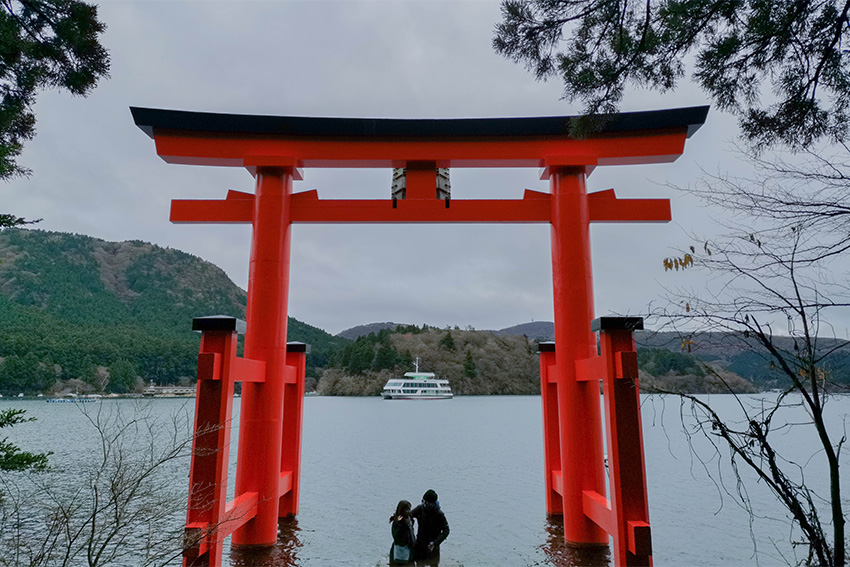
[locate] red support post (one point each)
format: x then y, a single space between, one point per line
260 432
210 518
551 438
580 433
632 542
625 513
293 411
211 444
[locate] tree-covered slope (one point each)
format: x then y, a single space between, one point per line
474 362
483 362
742 355
109 313
85 281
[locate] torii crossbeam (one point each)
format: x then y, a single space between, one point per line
275 150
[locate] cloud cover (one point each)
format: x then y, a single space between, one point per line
95 173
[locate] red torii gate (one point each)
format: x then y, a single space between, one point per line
274 149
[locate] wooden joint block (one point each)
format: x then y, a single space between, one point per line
248 370
558 482
639 537
626 365
286 163
598 509
285 483
209 366
238 512
573 163
588 369
194 540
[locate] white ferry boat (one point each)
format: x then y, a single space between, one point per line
154 391
417 386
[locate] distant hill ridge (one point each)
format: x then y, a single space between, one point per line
536 330
354 333
88 280
732 353
85 305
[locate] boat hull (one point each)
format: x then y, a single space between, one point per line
416 397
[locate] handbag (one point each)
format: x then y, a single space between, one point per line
401 552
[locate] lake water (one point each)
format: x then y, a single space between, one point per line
484 457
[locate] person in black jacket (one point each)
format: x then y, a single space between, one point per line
401 552
432 527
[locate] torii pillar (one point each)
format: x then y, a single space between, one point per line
572 283
275 148
261 433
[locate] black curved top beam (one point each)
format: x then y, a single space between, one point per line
150 119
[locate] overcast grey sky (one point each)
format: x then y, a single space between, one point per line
95 173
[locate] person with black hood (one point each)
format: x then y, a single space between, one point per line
432 527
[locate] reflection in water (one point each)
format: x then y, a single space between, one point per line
283 554
432 562
560 554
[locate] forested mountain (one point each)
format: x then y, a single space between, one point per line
503 362
80 312
483 362
743 356
474 362
733 353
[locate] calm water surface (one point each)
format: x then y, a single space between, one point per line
484 457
